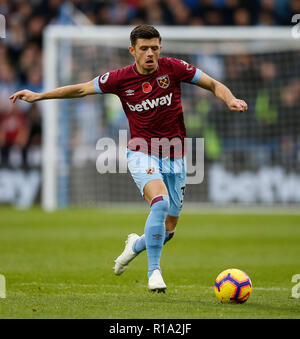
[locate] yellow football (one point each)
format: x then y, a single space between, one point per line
233 286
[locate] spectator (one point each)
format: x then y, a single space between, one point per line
267 14
13 135
180 12
8 84
17 37
242 17
289 121
294 7
155 15
213 18
103 15
32 149
121 13
289 124
266 18
34 79
31 56
35 29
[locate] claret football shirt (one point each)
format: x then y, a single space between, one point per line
152 104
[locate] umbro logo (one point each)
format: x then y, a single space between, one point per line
156 236
129 92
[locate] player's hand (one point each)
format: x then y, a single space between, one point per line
25 95
238 105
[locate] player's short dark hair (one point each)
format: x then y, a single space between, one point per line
143 32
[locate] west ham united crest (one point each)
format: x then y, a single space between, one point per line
163 81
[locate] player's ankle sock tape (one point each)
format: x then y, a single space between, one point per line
155 230
169 235
140 244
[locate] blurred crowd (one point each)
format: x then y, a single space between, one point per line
21 50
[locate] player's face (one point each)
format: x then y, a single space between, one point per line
146 53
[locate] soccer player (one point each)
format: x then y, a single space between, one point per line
150 94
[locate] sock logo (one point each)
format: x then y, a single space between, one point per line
156 236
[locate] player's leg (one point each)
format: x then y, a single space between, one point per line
174 179
171 223
138 164
156 194
146 241
154 237
175 184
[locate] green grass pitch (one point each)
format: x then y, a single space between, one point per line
59 265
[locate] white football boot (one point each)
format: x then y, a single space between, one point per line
121 263
156 282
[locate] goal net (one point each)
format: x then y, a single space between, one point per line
249 158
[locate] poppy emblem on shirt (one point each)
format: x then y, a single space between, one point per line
163 81
147 88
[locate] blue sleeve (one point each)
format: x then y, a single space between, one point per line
96 85
197 76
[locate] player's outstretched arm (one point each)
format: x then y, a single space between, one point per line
222 92
67 92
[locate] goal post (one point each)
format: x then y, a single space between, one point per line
249 159
49 126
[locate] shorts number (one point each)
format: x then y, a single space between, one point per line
181 201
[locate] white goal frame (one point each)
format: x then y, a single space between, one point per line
119 35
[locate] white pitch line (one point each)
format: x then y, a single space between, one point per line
255 288
58 285
113 286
